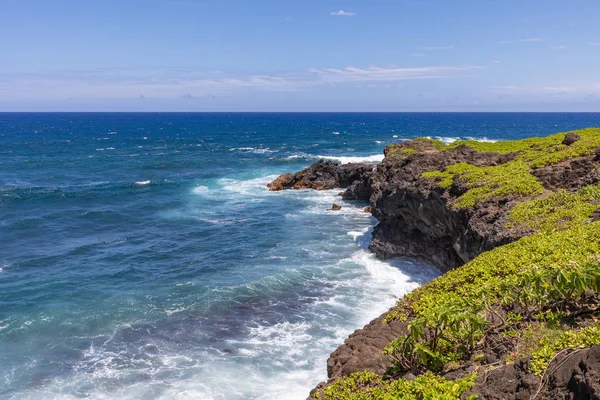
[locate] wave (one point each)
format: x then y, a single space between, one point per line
143 183
255 150
452 139
371 159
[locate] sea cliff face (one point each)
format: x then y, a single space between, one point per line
514 213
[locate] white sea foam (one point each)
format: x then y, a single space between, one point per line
335 133
255 150
142 183
374 158
481 139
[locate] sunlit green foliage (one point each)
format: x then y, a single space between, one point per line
569 339
541 272
559 210
514 177
539 152
369 386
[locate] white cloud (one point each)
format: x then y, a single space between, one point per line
494 61
418 55
432 48
504 87
559 47
187 83
594 43
526 40
353 74
342 13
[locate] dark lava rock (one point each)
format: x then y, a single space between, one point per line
597 155
282 182
335 207
570 138
322 175
572 375
571 175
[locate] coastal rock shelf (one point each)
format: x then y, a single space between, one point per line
515 227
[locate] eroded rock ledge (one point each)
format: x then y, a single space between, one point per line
447 205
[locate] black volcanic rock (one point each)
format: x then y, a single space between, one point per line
571 138
322 175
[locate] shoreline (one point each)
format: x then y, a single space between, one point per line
456 205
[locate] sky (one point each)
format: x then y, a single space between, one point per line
300 55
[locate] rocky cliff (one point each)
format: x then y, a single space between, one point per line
449 205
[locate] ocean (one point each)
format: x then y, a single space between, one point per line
142 257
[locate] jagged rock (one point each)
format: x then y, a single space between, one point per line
573 375
322 175
597 155
570 138
363 349
282 182
335 207
570 175
368 209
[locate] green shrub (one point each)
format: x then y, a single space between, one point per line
369 386
559 210
570 339
506 180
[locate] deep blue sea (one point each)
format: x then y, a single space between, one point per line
141 256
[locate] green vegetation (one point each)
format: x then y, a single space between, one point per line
369 386
505 180
560 210
514 177
539 152
570 339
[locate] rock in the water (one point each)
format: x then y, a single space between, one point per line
282 182
570 138
335 207
322 175
368 209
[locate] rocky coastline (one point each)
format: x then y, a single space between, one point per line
463 205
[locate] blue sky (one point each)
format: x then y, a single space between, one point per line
292 55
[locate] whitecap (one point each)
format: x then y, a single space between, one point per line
482 139
142 183
335 133
374 158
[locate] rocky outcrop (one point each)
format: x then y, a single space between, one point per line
416 217
571 175
571 138
322 175
573 375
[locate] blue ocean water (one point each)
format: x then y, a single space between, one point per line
141 256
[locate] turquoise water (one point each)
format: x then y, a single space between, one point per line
141 256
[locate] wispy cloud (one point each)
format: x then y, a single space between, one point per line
433 48
418 55
526 40
559 47
594 43
503 87
494 61
342 13
185 83
353 74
